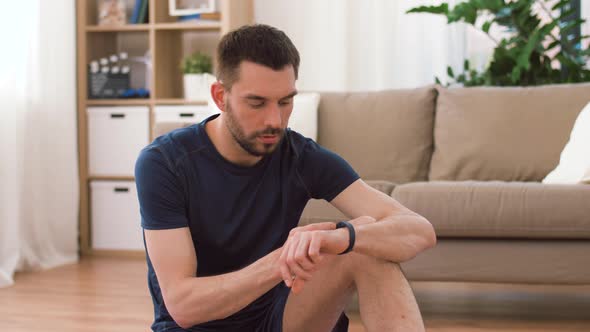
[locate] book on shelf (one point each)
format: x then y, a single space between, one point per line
140 12
135 13
143 14
214 17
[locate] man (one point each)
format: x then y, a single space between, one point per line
220 202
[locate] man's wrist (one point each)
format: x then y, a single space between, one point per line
275 271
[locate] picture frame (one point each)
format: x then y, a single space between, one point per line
190 7
112 12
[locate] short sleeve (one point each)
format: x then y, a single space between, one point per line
161 198
325 173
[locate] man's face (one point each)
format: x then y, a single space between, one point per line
258 108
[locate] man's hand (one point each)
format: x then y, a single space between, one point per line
299 259
304 250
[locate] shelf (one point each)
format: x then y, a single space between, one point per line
171 46
117 102
117 28
110 178
207 26
179 101
168 41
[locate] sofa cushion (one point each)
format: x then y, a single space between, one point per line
385 135
508 134
319 210
500 209
504 261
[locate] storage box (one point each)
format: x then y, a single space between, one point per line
116 135
182 113
115 218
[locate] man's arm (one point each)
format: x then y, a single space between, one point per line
384 227
192 300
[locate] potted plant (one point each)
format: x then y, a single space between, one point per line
535 51
197 69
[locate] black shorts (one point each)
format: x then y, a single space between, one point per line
273 321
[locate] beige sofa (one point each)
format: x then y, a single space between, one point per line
470 160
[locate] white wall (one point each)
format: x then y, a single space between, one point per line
321 58
350 45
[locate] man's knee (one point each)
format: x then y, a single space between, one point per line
359 263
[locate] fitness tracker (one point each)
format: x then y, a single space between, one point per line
351 234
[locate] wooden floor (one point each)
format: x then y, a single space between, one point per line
108 294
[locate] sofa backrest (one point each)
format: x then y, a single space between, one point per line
385 135
507 134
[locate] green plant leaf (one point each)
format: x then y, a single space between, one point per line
465 11
515 75
525 55
196 63
491 5
523 58
566 61
466 65
560 4
442 9
450 72
553 45
570 25
486 26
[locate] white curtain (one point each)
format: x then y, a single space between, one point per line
361 45
38 141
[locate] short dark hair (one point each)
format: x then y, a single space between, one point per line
258 43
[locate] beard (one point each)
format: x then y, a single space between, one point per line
250 143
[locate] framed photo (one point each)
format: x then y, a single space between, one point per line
190 7
112 12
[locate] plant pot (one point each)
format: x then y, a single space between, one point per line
197 86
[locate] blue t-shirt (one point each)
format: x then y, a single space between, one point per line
236 214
